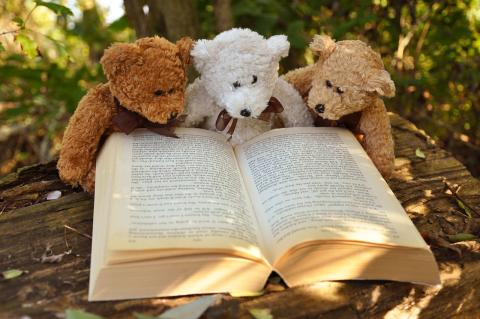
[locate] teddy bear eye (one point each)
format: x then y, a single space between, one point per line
159 92
328 84
236 84
171 91
340 90
254 79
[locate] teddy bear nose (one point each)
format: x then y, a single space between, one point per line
245 113
320 108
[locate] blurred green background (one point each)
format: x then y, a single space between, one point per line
49 53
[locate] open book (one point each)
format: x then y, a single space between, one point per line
194 215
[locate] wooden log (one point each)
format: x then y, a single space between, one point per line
427 188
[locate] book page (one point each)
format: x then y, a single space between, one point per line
180 193
104 179
311 184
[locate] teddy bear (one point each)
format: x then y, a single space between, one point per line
344 88
239 91
145 87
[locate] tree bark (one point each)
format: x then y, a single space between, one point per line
180 18
223 15
171 19
137 17
156 21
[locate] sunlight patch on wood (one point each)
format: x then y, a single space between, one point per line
402 169
450 274
328 291
412 305
375 295
418 208
465 300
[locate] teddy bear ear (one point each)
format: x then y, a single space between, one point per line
322 46
200 54
148 42
278 45
184 46
381 83
119 58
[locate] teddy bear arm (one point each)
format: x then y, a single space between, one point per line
199 105
378 141
301 79
88 181
82 136
295 112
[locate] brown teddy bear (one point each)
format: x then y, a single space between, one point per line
344 88
145 88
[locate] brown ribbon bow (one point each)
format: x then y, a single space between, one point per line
223 119
126 121
349 121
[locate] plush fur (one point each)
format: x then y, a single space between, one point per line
239 71
147 77
349 77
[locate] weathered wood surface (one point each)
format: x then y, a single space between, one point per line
29 223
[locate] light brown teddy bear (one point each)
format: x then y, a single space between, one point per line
145 88
344 88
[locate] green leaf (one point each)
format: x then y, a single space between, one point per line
191 310
142 316
119 24
2 48
18 58
419 153
461 237
467 210
58 9
294 33
264 23
29 47
61 49
261 313
19 21
12 273
80 314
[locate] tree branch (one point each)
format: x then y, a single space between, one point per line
8 32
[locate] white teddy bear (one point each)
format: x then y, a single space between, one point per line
239 90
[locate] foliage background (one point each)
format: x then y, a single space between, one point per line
49 57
